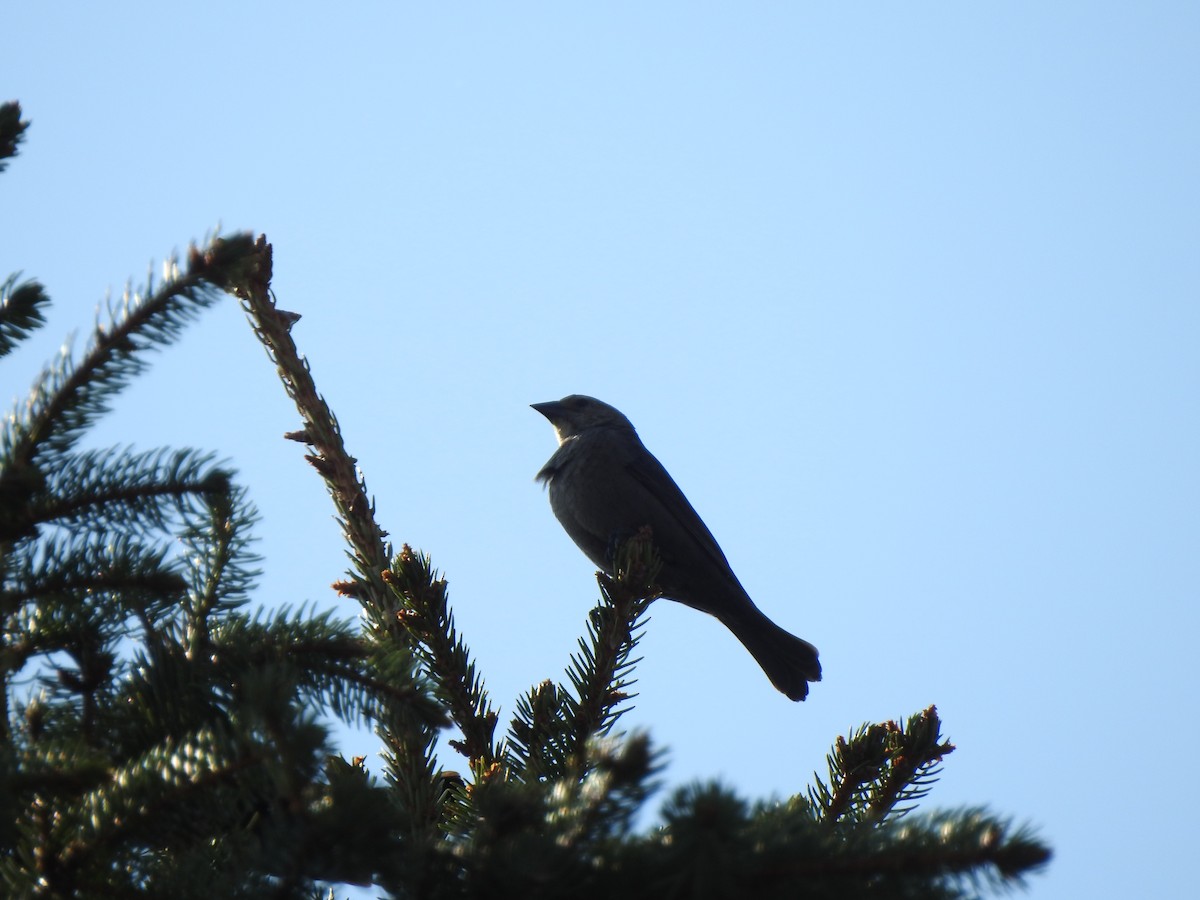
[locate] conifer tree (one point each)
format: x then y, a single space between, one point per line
163 736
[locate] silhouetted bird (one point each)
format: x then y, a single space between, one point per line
605 485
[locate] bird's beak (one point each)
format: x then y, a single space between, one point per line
551 409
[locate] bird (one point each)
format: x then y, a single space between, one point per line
605 486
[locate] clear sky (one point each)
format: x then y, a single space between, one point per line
905 296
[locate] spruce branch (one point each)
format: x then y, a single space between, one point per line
426 614
408 728
962 847
538 745
58 580
220 567
602 671
879 768
12 131
325 655
713 842
548 737
20 311
154 797
82 813
321 432
959 849
602 805
69 396
131 758
567 837
118 489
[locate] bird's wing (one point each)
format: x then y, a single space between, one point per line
682 524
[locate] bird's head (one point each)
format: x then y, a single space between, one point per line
575 414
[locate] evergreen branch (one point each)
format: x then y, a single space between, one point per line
408 732
20 311
58 771
603 804
169 693
321 660
321 432
879 767
711 842
171 797
325 655
115 489
370 550
566 837
12 131
68 397
960 847
359 825
246 781
84 811
914 763
603 670
539 734
251 790
65 584
419 792
447 661
218 560
549 734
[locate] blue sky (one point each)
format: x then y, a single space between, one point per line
906 297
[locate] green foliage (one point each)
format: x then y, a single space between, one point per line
158 738
12 131
549 735
153 729
880 771
20 311
163 738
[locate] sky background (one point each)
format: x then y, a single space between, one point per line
906 297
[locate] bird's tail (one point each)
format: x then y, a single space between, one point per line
790 662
